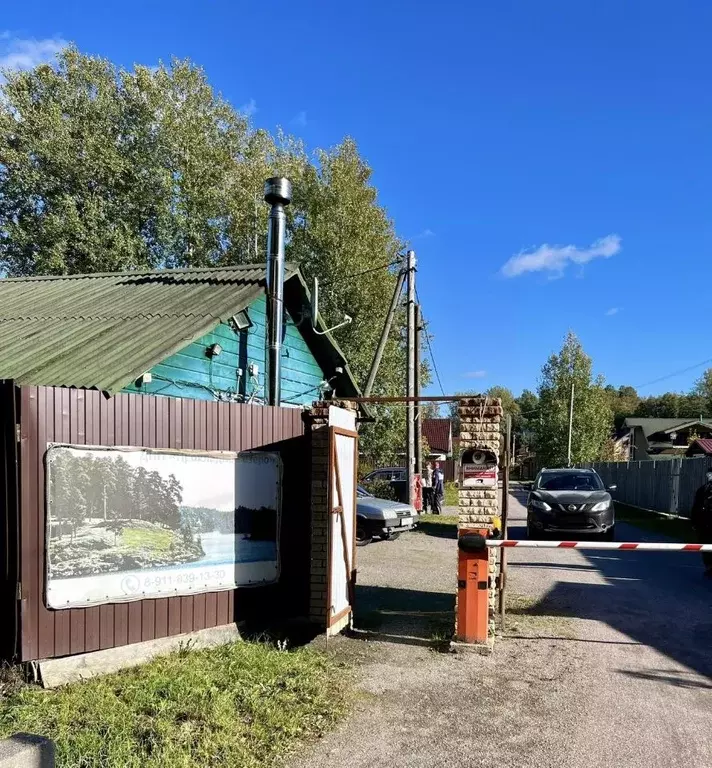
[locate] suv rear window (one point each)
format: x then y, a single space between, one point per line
569 481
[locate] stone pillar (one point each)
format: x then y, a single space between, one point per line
318 421
480 419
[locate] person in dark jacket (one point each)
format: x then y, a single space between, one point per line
438 490
701 519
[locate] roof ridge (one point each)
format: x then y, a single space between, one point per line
146 272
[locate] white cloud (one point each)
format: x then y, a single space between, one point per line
555 258
249 109
425 233
24 54
612 311
300 119
475 374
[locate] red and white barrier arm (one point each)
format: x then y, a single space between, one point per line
643 546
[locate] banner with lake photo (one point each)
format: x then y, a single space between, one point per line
128 524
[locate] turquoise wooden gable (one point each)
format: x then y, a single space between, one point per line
195 374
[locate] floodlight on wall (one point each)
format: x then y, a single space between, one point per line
214 350
241 321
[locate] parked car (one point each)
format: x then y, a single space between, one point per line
386 473
396 476
571 502
381 517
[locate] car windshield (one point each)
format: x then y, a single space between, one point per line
570 481
361 491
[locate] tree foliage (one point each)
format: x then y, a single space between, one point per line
672 405
84 488
105 169
593 418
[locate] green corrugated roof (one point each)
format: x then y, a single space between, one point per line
104 330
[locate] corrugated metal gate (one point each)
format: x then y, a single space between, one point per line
87 417
666 485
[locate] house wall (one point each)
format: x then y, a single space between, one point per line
191 373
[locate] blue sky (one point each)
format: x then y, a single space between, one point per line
551 162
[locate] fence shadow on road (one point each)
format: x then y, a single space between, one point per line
409 616
675 677
658 599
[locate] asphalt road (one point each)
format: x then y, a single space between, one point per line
606 660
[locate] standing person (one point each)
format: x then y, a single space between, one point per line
701 519
438 489
427 486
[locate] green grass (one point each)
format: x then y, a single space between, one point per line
438 519
674 527
143 538
244 704
451 498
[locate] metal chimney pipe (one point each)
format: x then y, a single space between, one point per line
278 193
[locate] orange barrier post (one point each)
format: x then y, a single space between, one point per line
472 587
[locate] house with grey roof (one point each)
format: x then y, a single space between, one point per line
642 438
191 333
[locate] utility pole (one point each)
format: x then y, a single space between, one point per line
571 420
410 375
505 521
384 334
417 411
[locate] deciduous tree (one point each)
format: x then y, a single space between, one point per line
593 418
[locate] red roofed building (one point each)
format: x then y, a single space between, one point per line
700 447
438 433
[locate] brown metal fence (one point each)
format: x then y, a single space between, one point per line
87 417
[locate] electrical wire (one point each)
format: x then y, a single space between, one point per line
365 272
673 374
430 350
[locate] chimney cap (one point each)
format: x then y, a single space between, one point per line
278 189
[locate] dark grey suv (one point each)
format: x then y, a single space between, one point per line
570 502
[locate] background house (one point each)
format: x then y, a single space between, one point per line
190 333
699 447
640 439
438 433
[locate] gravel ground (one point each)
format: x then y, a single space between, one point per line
606 661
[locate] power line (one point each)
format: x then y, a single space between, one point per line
673 374
365 272
430 350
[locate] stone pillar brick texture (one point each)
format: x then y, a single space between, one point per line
480 419
317 419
